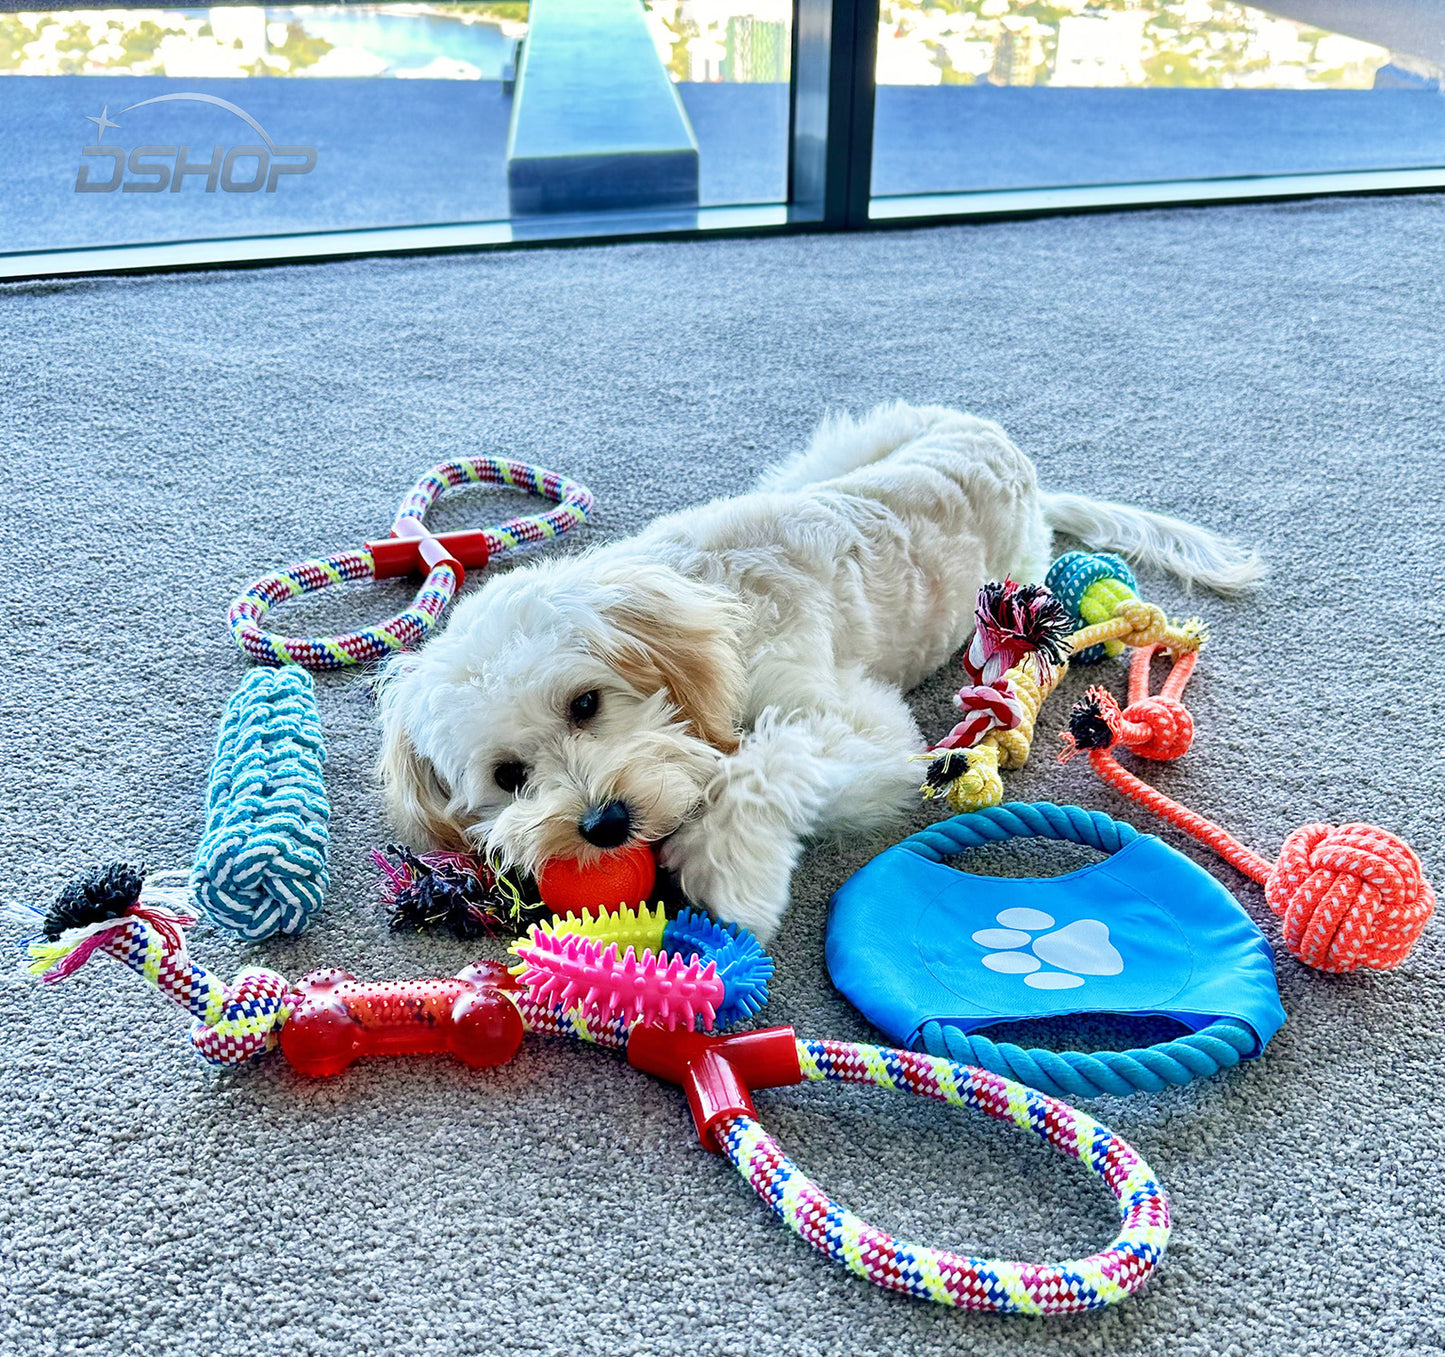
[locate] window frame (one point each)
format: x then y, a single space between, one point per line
830 162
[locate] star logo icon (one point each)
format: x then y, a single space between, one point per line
102 122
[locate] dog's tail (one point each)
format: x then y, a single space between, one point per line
1194 555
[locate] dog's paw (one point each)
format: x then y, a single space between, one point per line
741 880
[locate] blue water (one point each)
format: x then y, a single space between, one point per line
406 41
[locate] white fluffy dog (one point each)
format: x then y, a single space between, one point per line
730 681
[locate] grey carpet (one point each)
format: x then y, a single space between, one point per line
1273 371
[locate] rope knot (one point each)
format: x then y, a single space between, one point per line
249 1022
1350 896
968 779
1095 723
1157 728
1147 624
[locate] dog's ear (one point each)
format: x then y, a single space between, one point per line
667 632
418 802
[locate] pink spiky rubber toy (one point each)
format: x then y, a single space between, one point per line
572 971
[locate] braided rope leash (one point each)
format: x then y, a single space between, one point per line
1349 896
1078 1074
241 1022
260 867
445 557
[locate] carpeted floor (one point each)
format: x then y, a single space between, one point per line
1273 371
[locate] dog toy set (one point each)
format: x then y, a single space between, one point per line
1349 896
929 954
1024 640
328 1019
261 867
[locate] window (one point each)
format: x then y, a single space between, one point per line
129 127
160 137
984 96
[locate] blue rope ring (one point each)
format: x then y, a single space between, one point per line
1069 579
1197 1055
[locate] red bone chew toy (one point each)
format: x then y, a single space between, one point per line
335 1018
1349 896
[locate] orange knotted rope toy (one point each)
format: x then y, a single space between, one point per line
1350 896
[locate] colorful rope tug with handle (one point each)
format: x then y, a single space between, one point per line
410 547
327 1019
1024 641
1349 896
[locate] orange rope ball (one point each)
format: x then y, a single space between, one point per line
1350 896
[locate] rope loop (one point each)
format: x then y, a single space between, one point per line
1020 820
412 625
398 632
947 1278
1077 1074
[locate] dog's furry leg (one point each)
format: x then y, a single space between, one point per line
842 768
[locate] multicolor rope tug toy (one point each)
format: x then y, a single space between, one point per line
456 891
410 547
1024 641
328 1019
1349 896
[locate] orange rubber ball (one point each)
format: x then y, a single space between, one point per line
623 877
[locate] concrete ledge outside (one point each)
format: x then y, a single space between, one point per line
596 122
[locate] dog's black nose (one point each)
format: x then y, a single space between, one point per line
606 826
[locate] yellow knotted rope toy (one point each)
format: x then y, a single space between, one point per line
1024 641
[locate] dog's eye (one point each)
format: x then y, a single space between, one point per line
584 706
510 776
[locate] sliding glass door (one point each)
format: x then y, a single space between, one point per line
998 96
143 126
135 138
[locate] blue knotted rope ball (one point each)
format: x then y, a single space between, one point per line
260 867
1072 576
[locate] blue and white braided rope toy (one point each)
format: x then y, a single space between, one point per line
260 867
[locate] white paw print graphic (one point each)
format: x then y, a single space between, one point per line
1076 950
